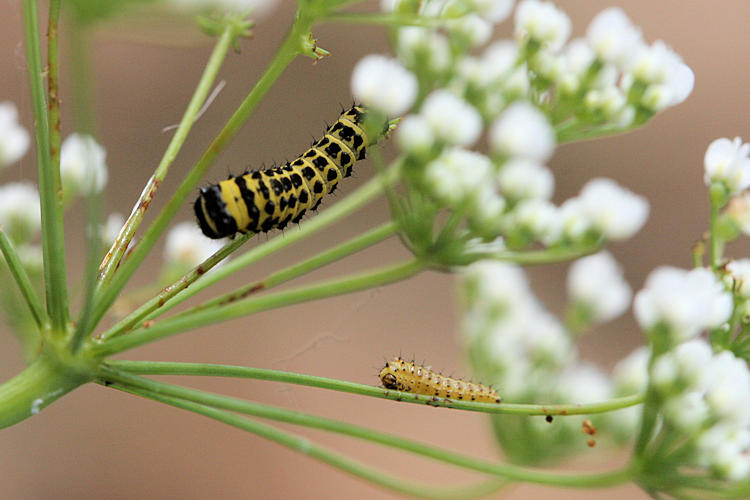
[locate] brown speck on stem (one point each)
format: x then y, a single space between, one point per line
588 428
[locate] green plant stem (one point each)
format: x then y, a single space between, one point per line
217 370
151 309
53 81
190 320
382 19
23 281
155 390
295 43
40 384
537 257
570 132
306 447
173 289
306 266
50 191
120 245
715 244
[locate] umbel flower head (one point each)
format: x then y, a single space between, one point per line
14 139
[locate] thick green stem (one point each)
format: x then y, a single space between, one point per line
188 321
120 245
216 370
295 43
158 305
50 191
40 384
159 390
23 281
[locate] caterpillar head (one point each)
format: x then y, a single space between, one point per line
213 217
388 379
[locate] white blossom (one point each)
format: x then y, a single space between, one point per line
414 43
111 228
187 247
457 175
612 36
597 281
583 383
739 271
542 22
498 60
486 212
414 135
494 11
384 84
687 411
631 373
573 219
83 167
522 130
540 217
613 211
491 284
728 389
14 139
687 302
520 179
452 119
472 28
727 161
670 80
20 213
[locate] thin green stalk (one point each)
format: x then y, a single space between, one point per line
188 321
391 20
360 197
295 43
120 245
53 81
217 370
305 447
23 281
537 257
50 191
506 471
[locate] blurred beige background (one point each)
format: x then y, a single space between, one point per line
98 443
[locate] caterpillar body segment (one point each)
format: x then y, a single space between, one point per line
407 376
267 199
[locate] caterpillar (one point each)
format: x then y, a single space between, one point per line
407 376
268 199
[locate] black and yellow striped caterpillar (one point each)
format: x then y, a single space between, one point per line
407 376
268 199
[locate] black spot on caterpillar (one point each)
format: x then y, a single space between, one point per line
407 376
268 199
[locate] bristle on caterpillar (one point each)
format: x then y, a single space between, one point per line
269 199
407 376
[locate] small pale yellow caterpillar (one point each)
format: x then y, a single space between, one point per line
407 376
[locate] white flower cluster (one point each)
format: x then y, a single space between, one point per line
706 396
683 302
728 162
20 213
521 347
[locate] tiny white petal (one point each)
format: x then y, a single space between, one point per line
520 178
384 84
187 246
612 36
20 213
727 161
614 211
631 373
542 22
472 28
414 135
740 272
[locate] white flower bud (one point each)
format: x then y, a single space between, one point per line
83 167
14 139
526 179
452 119
739 271
542 22
457 175
540 217
631 373
613 211
494 11
522 130
597 282
414 135
472 28
727 161
414 43
382 83
612 36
